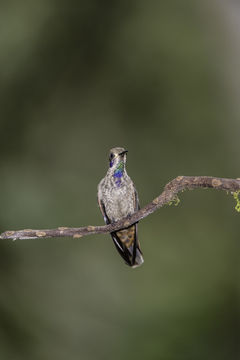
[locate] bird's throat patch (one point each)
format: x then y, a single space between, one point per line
118 173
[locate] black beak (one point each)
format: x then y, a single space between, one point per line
123 152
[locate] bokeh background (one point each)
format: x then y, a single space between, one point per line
160 78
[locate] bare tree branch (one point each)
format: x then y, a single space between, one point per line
168 195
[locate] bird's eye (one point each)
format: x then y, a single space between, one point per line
111 156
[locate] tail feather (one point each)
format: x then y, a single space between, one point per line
138 259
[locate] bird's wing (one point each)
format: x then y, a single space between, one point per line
103 210
136 200
137 250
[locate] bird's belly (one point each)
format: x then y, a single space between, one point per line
120 204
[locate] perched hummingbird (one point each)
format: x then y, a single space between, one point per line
117 198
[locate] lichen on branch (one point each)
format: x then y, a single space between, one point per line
236 197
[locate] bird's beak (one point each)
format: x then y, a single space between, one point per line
123 152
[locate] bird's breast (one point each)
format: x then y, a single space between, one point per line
119 201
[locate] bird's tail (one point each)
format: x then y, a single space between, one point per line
128 246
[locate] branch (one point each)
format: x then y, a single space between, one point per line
168 195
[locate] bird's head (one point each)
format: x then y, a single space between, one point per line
117 155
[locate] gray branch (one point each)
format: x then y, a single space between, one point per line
168 195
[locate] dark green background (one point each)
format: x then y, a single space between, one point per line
77 78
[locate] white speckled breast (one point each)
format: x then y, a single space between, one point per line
119 201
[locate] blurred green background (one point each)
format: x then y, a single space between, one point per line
156 77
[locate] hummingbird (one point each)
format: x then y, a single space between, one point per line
118 198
